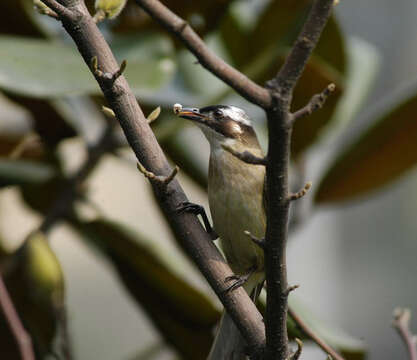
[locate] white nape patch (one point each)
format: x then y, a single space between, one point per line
237 114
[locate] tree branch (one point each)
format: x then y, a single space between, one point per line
307 40
315 103
90 43
278 197
22 337
183 31
401 323
313 336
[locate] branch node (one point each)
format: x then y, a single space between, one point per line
160 180
44 10
119 72
296 355
153 115
246 156
105 75
53 8
108 112
315 103
181 26
291 288
301 193
260 242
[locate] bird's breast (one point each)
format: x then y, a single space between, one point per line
235 192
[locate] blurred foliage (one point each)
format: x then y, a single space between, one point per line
184 316
44 76
379 156
34 278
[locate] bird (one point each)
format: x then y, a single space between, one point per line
236 201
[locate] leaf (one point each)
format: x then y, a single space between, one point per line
14 19
48 120
383 153
363 65
23 172
182 314
42 69
350 347
35 281
202 15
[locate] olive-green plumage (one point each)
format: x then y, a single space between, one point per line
235 191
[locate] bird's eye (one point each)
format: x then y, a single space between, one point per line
218 114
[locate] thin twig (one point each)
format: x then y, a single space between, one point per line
313 336
183 31
59 9
291 289
22 337
44 10
315 103
307 40
160 180
297 353
402 324
245 156
301 193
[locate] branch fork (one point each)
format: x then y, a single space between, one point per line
246 156
315 103
159 180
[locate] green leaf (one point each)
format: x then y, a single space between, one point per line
383 153
350 347
23 172
40 68
182 314
35 281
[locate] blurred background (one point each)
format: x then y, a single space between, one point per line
353 238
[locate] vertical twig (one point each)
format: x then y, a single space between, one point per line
401 323
22 337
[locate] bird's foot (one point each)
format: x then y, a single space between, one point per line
198 210
239 280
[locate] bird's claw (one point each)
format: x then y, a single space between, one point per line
239 280
198 210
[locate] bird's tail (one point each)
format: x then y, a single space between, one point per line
229 343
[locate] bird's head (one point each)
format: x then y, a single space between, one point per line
222 124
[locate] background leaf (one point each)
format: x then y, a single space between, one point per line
22 172
40 68
35 281
183 315
381 154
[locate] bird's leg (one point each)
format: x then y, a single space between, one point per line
240 280
199 210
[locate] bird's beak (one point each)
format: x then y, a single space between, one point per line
192 114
